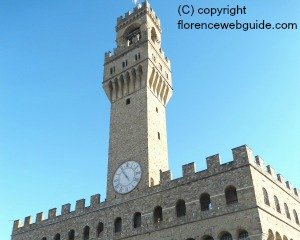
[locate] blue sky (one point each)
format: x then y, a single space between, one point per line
230 88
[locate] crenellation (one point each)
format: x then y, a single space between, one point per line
213 163
259 161
39 217
243 155
17 224
65 209
52 213
296 191
271 171
95 200
188 169
80 205
27 221
288 185
165 177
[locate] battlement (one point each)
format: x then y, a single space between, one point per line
242 156
129 16
65 210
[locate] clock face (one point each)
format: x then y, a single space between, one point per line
127 177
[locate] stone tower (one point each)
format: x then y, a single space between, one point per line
137 81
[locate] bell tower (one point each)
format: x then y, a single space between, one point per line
137 81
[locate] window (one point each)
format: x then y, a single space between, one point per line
205 202
154 58
86 233
157 214
270 235
118 225
100 228
57 236
137 220
44 238
180 208
206 237
137 56
154 35
127 101
231 195
71 235
156 109
112 70
266 197
132 34
287 211
124 63
158 135
243 235
160 67
167 75
151 182
226 236
277 205
296 217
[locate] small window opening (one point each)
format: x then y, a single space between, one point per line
205 202
156 110
137 220
158 135
137 56
127 101
124 64
112 70
71 235
160 67
57 236
100 228
180 208
231 195
118 225
86 233
157 214
277 205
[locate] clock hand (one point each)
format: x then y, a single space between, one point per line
125 174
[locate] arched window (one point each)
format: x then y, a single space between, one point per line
191 239
57 236
231 195
243 235
206 237
226 236
285 238
180 208
100 228
71 235
277 236
296 217
287 211
44 238
118 225
277 205
86 233
266 197
157 214
270 235
137 220
205 202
